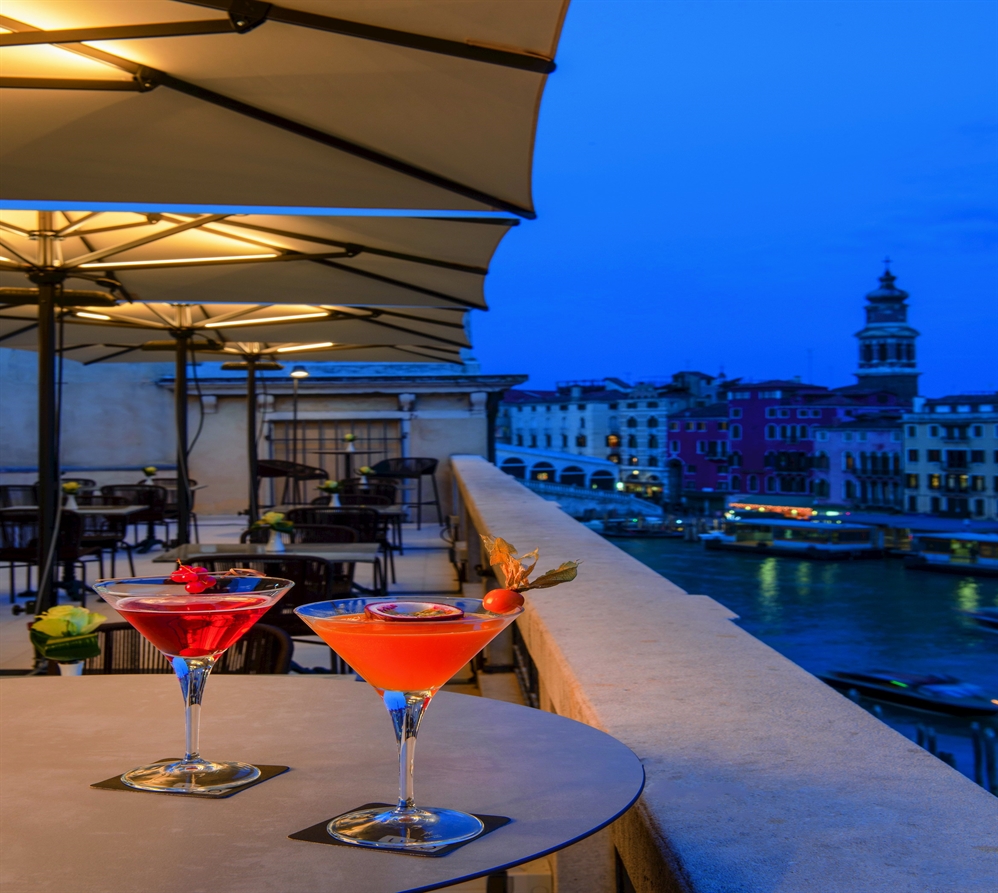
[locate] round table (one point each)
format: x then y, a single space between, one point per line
348 456
558 780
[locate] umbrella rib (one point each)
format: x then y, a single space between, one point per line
364 249
111 356
14 229
388 325
377 277
433 322
8 247
145 240
117 32
474 52
14 334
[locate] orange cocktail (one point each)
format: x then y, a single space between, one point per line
408 656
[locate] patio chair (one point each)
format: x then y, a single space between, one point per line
304 533
264 649
106 533
13 495
380 493
172 513
370 526
292 472
412 469
19 545
154 498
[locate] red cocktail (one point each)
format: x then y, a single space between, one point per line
192 629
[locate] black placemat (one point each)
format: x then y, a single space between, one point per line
266 772
318 834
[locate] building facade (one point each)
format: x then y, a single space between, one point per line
859 463
951 456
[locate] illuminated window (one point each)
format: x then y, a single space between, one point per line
935 481
633 460
580 440
722 426
911 481
613 440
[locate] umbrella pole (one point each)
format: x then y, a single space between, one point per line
251 447
49 281
180 408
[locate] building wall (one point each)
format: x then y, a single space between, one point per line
859 466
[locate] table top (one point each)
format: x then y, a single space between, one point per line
389 510
557 779
346 452
117 510
352 552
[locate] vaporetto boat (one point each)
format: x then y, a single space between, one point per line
956 553
805 539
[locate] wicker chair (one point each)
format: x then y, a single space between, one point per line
154 499
106 533
264 649
14 495
370 526
292 472
304 533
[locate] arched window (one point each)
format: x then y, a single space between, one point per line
910 351
736 483
613 440
652 422
850 490
632 441
753 483
736 432
882 351
735 459
580 440
652 442
633 460
652 461
769 460
632 422
519 440
896 463
515 467
771 484
602 480
770 432
848 462
573 476
867 352
862 463
614 457
542 471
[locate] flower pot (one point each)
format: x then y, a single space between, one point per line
335 501
363 479
70 503
276 542
350 447
72 668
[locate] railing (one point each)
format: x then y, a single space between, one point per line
759 777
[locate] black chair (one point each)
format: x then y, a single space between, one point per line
106 533
264 649
412 469
303 533
293 473
354 491
154 498
172 513
19 545
14 495
371 527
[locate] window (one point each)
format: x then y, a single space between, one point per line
771 412
979 483
547 408
933 430
653 404
803 413
934 504
533 440
978 430
912 503
701 446
770 432
912 455
753 483
564 440
722 426
701 426
736 483
652 462
978 506
847 435
652 442
547 440
934 455
582 422
896 436
632 441
848 462
614 457
935 481
613 440
850 490
633 460
911 481
580 440
519 440
736 432
563 407
690 426
736 412
784 413
977 455
581 406
633 423
533 409
741 395
783 432
673 426
691 469
821 435
771 485
613 405
770 395
912 431
652 422
674 446
631 405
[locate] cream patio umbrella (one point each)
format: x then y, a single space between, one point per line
61 259
129 332
416 104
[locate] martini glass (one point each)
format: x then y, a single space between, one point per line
192 630
406 651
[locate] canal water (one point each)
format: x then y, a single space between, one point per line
849 615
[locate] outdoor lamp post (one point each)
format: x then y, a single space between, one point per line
298 372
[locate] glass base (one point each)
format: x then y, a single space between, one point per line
193 777
405 829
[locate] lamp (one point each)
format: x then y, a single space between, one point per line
297 373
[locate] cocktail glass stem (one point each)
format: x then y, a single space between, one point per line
406 710
193 674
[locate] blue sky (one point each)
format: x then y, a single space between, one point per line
717 183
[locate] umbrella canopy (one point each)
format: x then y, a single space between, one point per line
380 261
121 331
319 103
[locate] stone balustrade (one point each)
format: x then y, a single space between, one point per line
760 779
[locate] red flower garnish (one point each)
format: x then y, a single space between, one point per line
196 579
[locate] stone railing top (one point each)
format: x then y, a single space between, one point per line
759 776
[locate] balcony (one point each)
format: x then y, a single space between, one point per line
759 777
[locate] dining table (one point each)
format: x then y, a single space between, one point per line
344 553
556 780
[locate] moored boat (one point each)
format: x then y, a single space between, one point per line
956 553
804 539
935 693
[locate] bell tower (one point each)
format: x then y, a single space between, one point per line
887 342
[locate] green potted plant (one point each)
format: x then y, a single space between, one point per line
350 438
365 470
70 488
331 488
150 472
278 525
67 634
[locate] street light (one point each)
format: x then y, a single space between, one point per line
298 372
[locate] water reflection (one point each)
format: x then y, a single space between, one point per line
769 590
968 594
804 578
